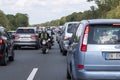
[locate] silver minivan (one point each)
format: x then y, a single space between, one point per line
68 30
95 50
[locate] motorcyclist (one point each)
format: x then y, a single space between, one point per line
43 35
51 36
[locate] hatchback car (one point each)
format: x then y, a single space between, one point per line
68 30
6 47
95 51
26 36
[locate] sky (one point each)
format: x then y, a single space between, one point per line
40 11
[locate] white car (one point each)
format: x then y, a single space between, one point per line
26 36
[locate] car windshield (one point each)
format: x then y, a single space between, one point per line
26 31
72 27
104 34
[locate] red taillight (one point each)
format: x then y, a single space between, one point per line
80 66
116 24
1 41
84 39
16 36
1 55
33 36
84 48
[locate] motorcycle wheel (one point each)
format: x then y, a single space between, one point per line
44 50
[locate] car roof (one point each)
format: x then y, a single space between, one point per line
11 31
26 27
101 21
72 22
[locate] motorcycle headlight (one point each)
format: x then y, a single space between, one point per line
43 42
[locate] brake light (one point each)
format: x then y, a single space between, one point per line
1 54
16 36
33 36
1 41
116 24
84 39
80 66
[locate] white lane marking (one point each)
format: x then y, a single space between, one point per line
32 74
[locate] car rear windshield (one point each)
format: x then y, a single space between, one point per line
104 34
72 27
25 31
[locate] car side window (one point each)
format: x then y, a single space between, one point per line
78 33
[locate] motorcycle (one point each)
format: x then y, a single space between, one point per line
44 45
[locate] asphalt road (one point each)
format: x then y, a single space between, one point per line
30 64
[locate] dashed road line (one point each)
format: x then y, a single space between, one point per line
32 74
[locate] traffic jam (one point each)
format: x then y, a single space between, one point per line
78 50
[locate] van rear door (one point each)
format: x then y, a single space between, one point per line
103 48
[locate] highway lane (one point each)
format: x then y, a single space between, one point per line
51 66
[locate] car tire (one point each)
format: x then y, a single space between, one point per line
68 75
36 47
15 47
4 60
11 58
19 47
64 53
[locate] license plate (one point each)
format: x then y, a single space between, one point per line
112 56
24 39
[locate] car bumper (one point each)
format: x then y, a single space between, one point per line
25 43
88 75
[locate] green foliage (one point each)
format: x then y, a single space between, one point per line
11 19
11 22
106 9
21 20
3 20
62 20
114 13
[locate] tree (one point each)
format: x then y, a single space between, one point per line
21 20
62 20
4 21
11 19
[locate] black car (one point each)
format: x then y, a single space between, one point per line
6 47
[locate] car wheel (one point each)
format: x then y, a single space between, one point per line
19 47
4 60
68 75
11 58
36 47
64 53
71 75
15 47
